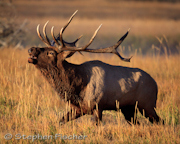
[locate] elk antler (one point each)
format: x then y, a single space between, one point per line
112 49
44 32
71 47
58 37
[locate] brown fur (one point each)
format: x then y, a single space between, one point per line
95 83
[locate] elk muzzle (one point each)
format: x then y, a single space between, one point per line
33 58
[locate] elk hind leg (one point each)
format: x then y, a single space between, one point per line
151 115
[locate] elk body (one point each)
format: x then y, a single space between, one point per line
94 83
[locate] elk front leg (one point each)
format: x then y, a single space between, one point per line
73 114
98 115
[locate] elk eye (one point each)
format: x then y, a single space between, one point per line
50 53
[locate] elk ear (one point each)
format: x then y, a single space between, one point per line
67 54
63 55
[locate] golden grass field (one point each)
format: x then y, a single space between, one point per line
29 106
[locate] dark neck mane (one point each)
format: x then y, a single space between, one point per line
67 79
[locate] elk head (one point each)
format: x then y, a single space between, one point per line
51 54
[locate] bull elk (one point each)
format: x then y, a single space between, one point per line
94 83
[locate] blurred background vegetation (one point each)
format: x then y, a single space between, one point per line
154 23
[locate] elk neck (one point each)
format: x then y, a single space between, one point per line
69 80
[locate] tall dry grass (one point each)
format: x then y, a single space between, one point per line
29 106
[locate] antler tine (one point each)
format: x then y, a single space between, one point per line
39 34
52 33
84 47
120 40
77 39
122 58
45 35
70 43
63 29
92 38
61 39
69 20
